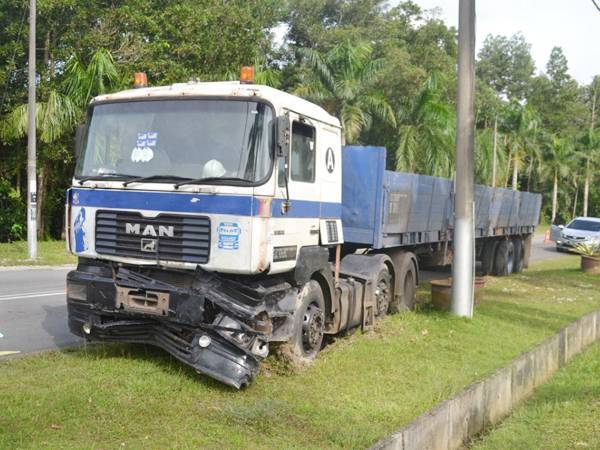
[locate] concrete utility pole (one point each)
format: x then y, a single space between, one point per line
31 137
463 265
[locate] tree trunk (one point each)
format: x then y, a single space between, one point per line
508 160
515 176
18 182
586 188
575 201
529 173
588 175
495 157
47 48
554 196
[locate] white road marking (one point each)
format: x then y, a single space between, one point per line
9 352
30 295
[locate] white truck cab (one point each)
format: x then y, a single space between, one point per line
151 157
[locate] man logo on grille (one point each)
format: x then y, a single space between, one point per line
149 230
149 245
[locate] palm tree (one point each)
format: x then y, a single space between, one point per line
559 156
343 81
426 132
63 107
486 166
522 125
592 155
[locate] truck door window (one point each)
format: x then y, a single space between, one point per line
303 152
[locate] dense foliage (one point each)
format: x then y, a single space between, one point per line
387 72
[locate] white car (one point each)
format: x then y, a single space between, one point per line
579 230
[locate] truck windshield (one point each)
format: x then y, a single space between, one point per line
213 139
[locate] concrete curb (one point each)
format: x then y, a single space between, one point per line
452 423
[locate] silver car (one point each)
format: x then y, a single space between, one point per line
579 230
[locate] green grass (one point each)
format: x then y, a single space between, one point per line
564 413
361 387
49 253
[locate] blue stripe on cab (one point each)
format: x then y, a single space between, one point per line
183 202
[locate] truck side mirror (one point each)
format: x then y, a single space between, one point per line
79 135
283 135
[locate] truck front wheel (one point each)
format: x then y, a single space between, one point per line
309 327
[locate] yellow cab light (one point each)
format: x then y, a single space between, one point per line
247 75
140 80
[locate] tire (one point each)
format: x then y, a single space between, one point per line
504 259
488 254
309 327
384 293
519 255
406 284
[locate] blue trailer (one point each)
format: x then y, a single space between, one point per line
383 209
221 221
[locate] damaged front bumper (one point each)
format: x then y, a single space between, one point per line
216 326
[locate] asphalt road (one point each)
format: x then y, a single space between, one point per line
33 313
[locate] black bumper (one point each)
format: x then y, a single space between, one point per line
179 333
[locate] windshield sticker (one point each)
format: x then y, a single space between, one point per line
79 232
142 151
229 235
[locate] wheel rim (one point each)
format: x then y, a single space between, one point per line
382 296
313 325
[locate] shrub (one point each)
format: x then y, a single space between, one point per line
590 249
12 213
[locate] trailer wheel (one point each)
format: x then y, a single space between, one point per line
488 254
309 327
383 292
519 256
504 259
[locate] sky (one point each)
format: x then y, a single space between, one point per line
573 25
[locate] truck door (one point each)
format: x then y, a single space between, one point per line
304 189
303 185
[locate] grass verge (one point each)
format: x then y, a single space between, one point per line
49 253
564 413
361 387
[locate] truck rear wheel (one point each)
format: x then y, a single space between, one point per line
383 292
406 284
488 254
519 256
504 258
309 327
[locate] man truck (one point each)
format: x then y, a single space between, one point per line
221 220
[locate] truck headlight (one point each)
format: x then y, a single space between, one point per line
77 291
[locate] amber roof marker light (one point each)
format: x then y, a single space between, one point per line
247 75
140 80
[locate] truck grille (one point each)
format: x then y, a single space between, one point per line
167 237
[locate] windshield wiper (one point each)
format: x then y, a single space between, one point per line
105 176
209 180
153 177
